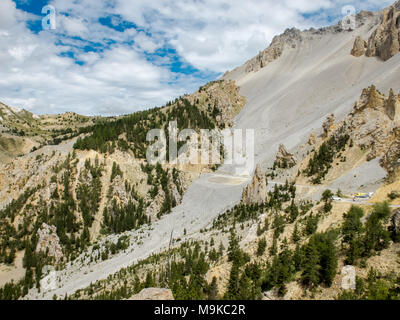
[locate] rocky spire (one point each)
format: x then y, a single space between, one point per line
256 191
328 125
360 47
284 159
392 105
385 40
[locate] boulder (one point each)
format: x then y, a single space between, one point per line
359 47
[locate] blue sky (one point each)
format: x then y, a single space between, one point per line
119 56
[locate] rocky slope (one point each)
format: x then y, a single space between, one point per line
71 197
300 93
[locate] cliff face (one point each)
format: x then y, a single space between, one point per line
374 119
289 38
224 96
374 126
385 40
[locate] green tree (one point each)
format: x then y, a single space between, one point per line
352 231
262 244
310 276
213 291
376 236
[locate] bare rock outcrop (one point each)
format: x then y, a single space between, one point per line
391 159
312 140
385 40
395 223
370 98
328 125
156 204
153 294
359 48
371 127
224 96
392 105
119 190
49 241
284 159
374 125
289 38
256 191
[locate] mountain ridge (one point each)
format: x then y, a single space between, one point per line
287 92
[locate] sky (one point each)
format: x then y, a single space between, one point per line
115 57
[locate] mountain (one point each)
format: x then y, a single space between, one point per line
324 106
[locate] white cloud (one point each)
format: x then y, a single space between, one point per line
7 14
74 27
146 43
211 35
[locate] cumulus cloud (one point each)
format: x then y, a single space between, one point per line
97 68
7 14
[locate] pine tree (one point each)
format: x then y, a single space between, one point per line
233 283
329 262
273 250
376 236
310 276
352 230
296 234
262 244
213 291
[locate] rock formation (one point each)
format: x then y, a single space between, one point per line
396 223
328 125
49 241
256 191
385 40
359 48
312 140
374 125
224 96
289 38
391 159
153 294
284 159
392 105
371 98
